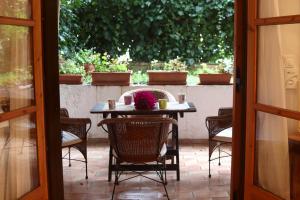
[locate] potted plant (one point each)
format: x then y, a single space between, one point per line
111 72
215 75
5 83
88 59
168 73
70 73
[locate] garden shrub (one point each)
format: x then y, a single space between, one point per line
195 30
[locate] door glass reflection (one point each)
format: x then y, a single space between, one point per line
18 157
15 8
272 168
16 71
279 66
276 8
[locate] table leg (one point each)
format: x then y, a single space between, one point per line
175 140
110 162
110 155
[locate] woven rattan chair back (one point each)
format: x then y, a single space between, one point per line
138 140
159 94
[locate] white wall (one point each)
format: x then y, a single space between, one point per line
79 99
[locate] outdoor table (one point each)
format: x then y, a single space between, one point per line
173 110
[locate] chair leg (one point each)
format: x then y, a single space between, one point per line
165 169
165 179
86 169
110 162
167 195
69 156
82 148
219 156
209 154
86 161
116 180
209 175
115 183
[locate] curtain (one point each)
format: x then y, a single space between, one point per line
272 155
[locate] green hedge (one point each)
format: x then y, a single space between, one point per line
195 30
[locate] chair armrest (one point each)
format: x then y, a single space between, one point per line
82 121
225 111
64 112
126 120
216 124
77 126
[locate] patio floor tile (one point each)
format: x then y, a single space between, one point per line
194 183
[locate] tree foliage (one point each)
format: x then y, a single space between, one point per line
195 30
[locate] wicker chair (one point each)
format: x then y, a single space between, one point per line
220 133
159 94
139 140
74 134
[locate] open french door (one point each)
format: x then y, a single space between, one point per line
22 133
273 97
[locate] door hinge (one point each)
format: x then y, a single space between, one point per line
238 81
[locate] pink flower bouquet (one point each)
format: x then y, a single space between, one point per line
144 100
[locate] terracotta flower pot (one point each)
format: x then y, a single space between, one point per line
71 79
111 78
215 79
89 68
167 78
4 99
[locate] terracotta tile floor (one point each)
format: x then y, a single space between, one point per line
194 183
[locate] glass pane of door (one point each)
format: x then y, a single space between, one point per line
22 146
18 157
275 8
16 68
272 168
15 8
279 66
274 66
